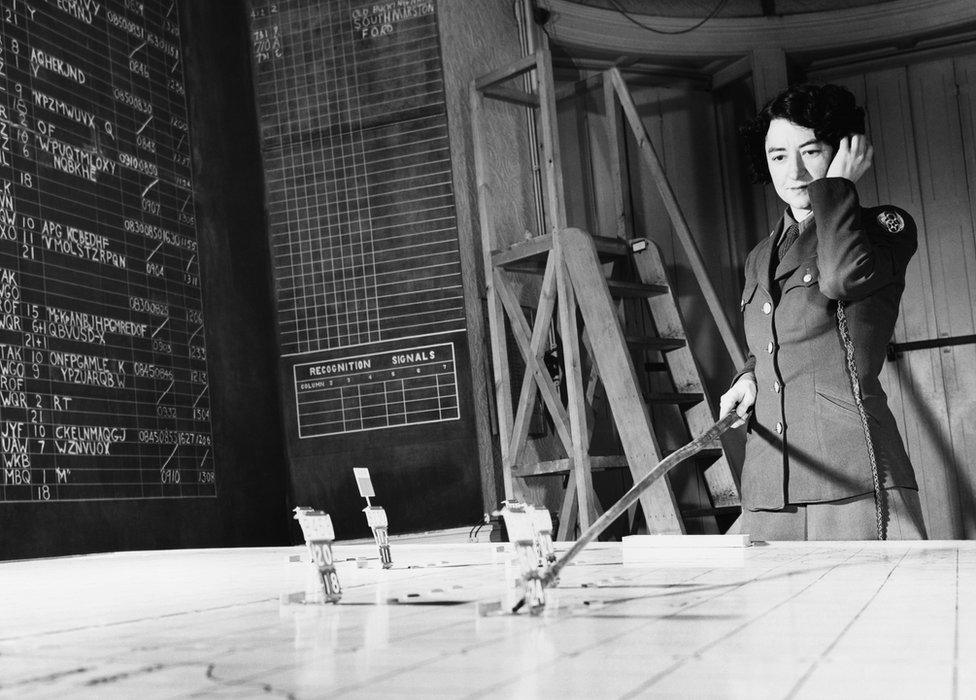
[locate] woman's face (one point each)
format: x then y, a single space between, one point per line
795 158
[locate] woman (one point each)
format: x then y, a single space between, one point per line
824 459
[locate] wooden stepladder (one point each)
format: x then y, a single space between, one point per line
594 280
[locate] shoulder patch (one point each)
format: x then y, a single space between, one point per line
891 220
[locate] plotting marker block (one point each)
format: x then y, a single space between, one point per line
686 541
684 551
521 526
542 521
363 482
319 535
375 516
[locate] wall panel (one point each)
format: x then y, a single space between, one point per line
921 125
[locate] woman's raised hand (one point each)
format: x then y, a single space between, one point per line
852 159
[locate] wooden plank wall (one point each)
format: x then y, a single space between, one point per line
682 125
963 418
924 133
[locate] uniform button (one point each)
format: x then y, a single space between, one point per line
777 386
807 277
769 348
767 307
779 427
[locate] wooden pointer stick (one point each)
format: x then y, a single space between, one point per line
629 498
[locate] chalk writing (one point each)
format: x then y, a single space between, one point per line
104 386
380 390
381 19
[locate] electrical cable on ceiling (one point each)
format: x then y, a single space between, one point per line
718 8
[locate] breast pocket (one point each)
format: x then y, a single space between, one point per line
806 275
748 292
752 317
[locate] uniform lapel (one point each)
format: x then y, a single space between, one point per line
803 247
763 260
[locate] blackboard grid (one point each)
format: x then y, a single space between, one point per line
105 383
359 189
379 390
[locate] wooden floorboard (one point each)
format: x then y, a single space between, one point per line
779 620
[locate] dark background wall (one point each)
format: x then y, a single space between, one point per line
252 475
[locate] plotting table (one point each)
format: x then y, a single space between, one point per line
810 620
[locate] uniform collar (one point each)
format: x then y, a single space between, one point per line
788 220
804 247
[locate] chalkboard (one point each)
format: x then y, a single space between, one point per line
104 388
358 174
378 390
361 215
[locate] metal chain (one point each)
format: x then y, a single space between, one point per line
879 496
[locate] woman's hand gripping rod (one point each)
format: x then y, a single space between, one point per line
551 573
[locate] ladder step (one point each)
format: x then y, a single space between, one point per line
655 342
535 250
599 462
513 70
561 466
708 454
717 510
512 95
608 248
681 399
635 290
523 251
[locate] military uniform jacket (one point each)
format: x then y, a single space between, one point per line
807 443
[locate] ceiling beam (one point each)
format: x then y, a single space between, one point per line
581 26
733 71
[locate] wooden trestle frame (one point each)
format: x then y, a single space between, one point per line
573 279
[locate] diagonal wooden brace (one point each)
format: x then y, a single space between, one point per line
536 373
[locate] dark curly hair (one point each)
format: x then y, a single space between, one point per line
830 110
